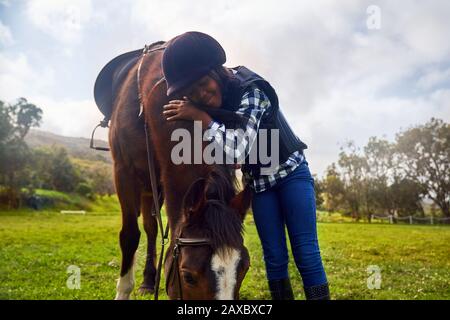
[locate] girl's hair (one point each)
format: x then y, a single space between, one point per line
226 81
222 75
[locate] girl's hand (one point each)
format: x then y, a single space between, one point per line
182 110
185 110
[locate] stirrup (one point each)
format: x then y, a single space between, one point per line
103 124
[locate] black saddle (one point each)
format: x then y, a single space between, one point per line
109 79
113 75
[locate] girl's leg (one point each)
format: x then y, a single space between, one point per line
270 226
298 204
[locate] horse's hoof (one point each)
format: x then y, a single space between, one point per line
122 296
144 289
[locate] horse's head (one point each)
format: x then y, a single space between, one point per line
210 259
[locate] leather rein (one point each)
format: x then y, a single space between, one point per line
179 241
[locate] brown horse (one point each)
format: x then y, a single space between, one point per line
201 201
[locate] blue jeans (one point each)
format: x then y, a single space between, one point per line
291 203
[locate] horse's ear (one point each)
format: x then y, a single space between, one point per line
242 201
194 196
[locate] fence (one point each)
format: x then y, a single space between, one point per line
73 212
411 219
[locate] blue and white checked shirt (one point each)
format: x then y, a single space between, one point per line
237 143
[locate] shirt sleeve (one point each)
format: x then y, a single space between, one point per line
237 143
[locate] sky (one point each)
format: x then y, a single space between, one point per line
343 70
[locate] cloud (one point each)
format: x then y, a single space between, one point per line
336 79
351 115
18 78
84 116
64 20
422 28
70 117
6 38
433 78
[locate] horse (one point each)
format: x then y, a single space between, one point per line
206 257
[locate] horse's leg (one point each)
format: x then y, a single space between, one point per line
151 229
129 196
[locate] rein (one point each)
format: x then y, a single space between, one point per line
151 167
179 242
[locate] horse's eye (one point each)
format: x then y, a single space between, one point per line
188 278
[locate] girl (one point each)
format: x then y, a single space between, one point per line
283 195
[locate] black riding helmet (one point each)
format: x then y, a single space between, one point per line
188 57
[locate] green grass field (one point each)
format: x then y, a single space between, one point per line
37 248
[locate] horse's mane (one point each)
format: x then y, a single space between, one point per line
218 222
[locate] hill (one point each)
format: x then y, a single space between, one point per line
76 147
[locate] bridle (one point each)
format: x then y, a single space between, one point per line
174 269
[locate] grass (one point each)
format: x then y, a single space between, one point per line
37 248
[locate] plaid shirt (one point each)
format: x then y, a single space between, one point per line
237 143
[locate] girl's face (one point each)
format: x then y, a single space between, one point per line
205 91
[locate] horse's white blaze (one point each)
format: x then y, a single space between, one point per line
224 264
125 285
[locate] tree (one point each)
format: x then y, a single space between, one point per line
424 154
406 197
102 183
42 177
333 189
64 175
354 168
6 126
25 115
319 191
15 122
379 156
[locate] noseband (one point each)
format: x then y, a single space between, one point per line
174 271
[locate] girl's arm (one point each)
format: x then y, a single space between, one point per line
237 143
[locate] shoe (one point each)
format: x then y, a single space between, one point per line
281 289
320 292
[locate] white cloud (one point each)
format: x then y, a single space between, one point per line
336 79
433 78
6 38
70 117
18 78
352 115
422 27
64 20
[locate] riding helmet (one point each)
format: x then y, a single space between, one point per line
188 57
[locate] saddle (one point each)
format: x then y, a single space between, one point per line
112 76
109 79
